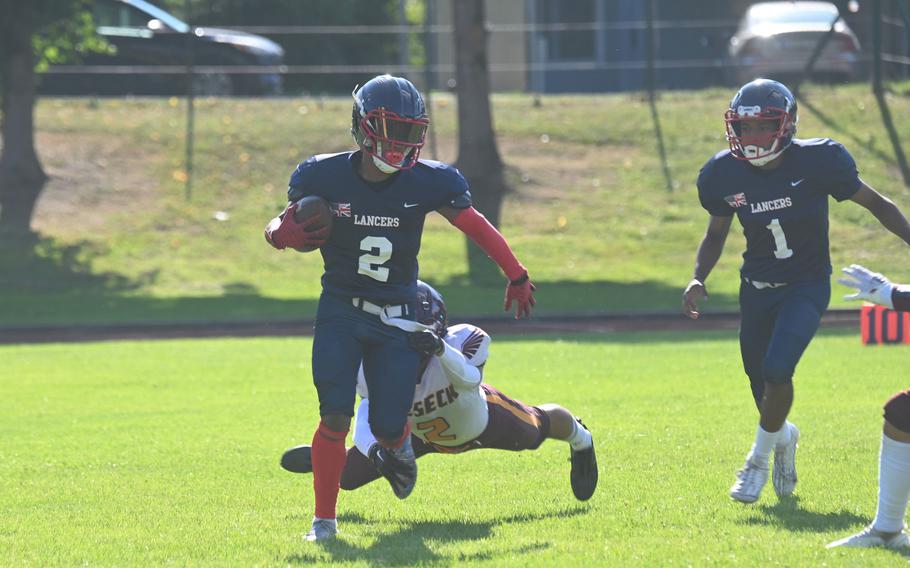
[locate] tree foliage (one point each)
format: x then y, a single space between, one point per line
61 30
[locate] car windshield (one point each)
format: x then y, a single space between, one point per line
167 19
785 16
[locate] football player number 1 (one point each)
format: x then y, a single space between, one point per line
780 240
378 251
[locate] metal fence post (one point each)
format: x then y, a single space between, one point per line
429 56
880 92
190 111
876 46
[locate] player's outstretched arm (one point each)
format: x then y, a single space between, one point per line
712 244
887 213
364 439
458 370
875 287
520 288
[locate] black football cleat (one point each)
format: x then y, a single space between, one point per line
298 459
398 466
584 470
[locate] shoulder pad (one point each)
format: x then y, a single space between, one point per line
473 342
307 172
462 201
447 180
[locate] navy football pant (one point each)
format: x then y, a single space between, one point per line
344 337
777 326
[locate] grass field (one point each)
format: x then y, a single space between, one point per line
602 221
140 453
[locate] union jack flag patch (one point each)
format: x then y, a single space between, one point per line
341 209
737 200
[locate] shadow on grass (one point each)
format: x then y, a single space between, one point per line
45 283
788 515
847 134
409 544
42 266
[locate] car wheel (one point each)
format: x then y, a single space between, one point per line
212 85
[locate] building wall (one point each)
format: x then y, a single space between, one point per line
505 48
618 51
612 57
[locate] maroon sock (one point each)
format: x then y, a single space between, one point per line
328 460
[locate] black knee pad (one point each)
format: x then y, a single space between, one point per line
897 411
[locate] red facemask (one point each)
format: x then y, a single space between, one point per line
394 140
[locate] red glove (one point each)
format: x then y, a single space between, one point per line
522 291
283 231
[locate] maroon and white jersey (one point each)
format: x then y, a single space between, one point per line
449 407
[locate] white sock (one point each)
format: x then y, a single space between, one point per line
580 439
893 485
334 521
783 437
761 449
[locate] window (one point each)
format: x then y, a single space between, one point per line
113 14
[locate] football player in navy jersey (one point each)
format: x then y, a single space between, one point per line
778 186
379 196
455 411
888 528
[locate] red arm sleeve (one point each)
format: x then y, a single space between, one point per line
472 223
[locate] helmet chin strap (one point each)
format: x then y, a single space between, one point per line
768 157
383 167
765 159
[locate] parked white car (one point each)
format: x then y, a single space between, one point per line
777 39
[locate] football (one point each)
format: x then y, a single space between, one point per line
317 209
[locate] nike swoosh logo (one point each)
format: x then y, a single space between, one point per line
409 205
797 182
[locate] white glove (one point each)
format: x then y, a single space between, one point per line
871 286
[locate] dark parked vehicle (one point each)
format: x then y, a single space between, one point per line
143 34
777 39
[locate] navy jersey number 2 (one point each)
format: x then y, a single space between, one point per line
372 252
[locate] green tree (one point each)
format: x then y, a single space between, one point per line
32 35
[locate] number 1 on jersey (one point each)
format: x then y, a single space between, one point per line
780 240
378 251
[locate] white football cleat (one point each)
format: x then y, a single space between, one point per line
870 537
323 529
783 475
750 480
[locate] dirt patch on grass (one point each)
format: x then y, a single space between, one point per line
93 177
544 171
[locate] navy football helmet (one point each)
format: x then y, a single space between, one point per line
770 108
431 309
389 121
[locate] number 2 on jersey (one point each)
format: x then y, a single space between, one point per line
437 428
780 240
378 251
